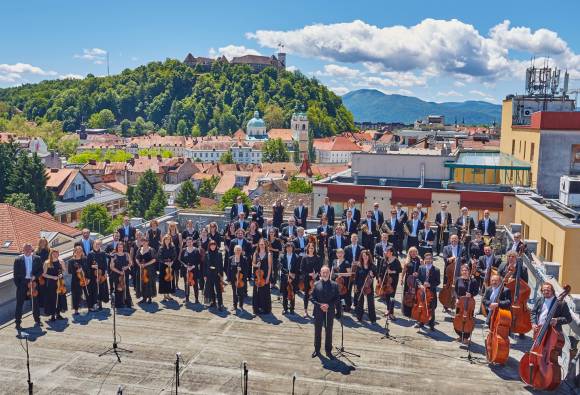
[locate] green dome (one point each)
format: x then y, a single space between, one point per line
256 122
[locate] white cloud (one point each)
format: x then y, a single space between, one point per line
340 90
542 41
17 72
458 84
96 55
450 93
292 68
334 70
232 51
484 96
71 76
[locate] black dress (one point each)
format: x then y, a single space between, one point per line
99 289
261 302
235 266
343 267
142 289
122 293
360 278
308 265
154 237
253 240
43 255
176 264
213 271
277 245
54 304
411 267
166 254
191 261
77 291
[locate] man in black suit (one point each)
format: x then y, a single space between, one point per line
353 250
370 222
324 232
27 268
289 232
86 242
422 214
289 270
126 231
381 247
257 213
492 299
543 305
378 215
486 263
517 245
237 208
242 242
300 242
515 264
429 277
401 214
269 226
455 254
326 300
349 224
443 221
241 222
301 213
414 226
328 210
465 223
394 228
278 213
335 242
486 225
354 211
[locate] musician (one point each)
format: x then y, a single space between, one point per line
363 285
492 298
349 224
253 235
177 242
119 268
300 242
353 250
409 280
429 278
427 235
237 208
465 285
262 259
327 210
443 221
54 302
393 268
371 224
204 240
401 214
214 233
241 223
542 307
126 231
189 232
394 228
213 276
98 261
277 213
453 253
154 235
190 260
269 226
275 248
486 265
517 243
335 242
238 264
78 268
85 242
42 250
422 214
324 232
465 224
289 232
242 242
382 246
257 213
343 266
145 259
486 225
378 215
476 246
355 212
309 268
515 264
289 272
414 226
166 257
27 269
326 301
301 213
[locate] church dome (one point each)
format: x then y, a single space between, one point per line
256 122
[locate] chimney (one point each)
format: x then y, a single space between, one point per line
355 177
136 156
92 162
107 161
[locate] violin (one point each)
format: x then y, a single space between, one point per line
101 276
446 296
290 288
497 342
32 289
191 278
421 311
145 276
464 322
385 286
60 286
41 280
83 281
520 290
168 274
121 283
259 280
539 367
410 293
342 287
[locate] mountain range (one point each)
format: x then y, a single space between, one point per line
375 106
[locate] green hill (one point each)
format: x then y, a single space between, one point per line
179 99
374 106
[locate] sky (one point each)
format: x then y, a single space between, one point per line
435 50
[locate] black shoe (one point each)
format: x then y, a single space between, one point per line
432 327
330 356
315 354
291 311
522 336
52 319
59 317
221 308
18 327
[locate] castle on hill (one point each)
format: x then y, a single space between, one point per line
256 62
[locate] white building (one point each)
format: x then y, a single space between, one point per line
256 127
337 149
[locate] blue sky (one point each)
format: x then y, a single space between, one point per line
436 50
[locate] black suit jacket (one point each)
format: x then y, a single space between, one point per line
434 278
380 219
459 223
403 218
505 299
265 232
427 235
332 247
562 313
301 218
502 271
482 266
19 269
352 228
286 232
490 227
398 229
130 236
329 214
277 215
294 264
234 211
246 247
259 214
439 220
348 253
373 228
355 215
379 251
80 243
244 225
422 216
420 226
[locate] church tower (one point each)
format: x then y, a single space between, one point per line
299 126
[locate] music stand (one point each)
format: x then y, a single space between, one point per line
115 349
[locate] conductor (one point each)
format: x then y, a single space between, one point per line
326 301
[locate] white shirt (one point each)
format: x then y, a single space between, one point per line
28 263
377 216
494 294
485 224
338 241
288 262
415 226
545 310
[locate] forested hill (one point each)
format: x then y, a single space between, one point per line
183 100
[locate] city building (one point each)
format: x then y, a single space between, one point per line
68 184
255 62
168 170
256 127
337 149
69 212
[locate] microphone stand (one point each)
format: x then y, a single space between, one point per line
245 380
341 351
115 349
293 383
177 357
30 383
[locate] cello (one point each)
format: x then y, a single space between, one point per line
520 291
421 311
464 322
385 286
539 367
497 342
446 296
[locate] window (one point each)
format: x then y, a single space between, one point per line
6 244
549 251
520 147
543 248
532 147
525 143
525 227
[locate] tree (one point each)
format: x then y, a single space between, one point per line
21 201
227 158
96 218
29 177
157 205
207 186
187 196
7 159
142 194
299 185
182 129
296 152
104 119
274 116
275 151
125 127
229 198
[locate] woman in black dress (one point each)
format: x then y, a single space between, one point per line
309 269
253 236
53 271
262 260
410 273
120 267
42 250
364 276
191 262
213 274
214 234
342 266
78 268
177 243
166 257
393 266
275 247
238 264
465 285
144 269
100 266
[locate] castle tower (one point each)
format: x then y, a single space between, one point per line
299 126
282 60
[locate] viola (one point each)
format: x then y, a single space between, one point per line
290 288
410 293
83 280
168 274
497 342
464 322
32 289
520 290
446 296
421 311
259 279
539 367
191 278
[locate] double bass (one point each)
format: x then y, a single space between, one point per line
497 342
447 296
539 367
520 290
421 311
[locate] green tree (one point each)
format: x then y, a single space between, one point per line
7 159
182 129
229 198
96 218
187 196
157 205
296 153
299 185
227 158
207 186
29 177
125 127
274 116
142 194
21 201
104 119
275 151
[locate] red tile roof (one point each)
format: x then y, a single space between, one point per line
337 143
283 134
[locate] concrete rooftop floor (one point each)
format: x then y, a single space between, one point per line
65 356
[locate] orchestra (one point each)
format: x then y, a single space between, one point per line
312 259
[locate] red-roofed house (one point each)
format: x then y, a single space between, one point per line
68 184
336 149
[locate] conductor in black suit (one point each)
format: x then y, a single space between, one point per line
237 208
301 213
126 231
326 300
328 210
27 268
